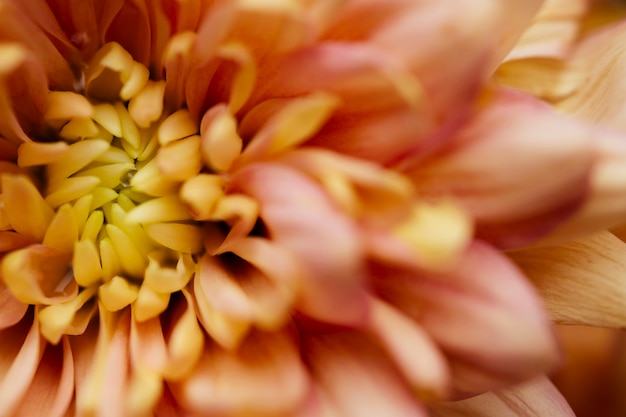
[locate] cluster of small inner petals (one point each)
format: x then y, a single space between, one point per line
101 202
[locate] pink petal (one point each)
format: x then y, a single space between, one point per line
482 315
537 398
356 377
264 376
409 346
501 169
300 217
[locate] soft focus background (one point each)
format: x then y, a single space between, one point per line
593 375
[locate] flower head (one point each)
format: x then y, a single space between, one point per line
271 207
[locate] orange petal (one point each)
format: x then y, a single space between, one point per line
582 281
18 26
39 274
298 120
597 63
11 310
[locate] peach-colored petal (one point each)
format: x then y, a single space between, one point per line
409 346
172 351
361 188
265 376
102 367
20 352
537 398
501 169
582 281
235 76
299 216
476 33
364 77
356 377
232 296
605 205
599 61
272 27
221 143
275 261
52 387
471 314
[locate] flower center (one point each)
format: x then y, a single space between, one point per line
115 203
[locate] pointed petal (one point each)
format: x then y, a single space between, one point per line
52 388
300 217
501 169
20 353
412 350
581 282
605 205
481 314
16 25
172 356
599 62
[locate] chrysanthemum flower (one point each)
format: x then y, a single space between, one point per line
273 208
